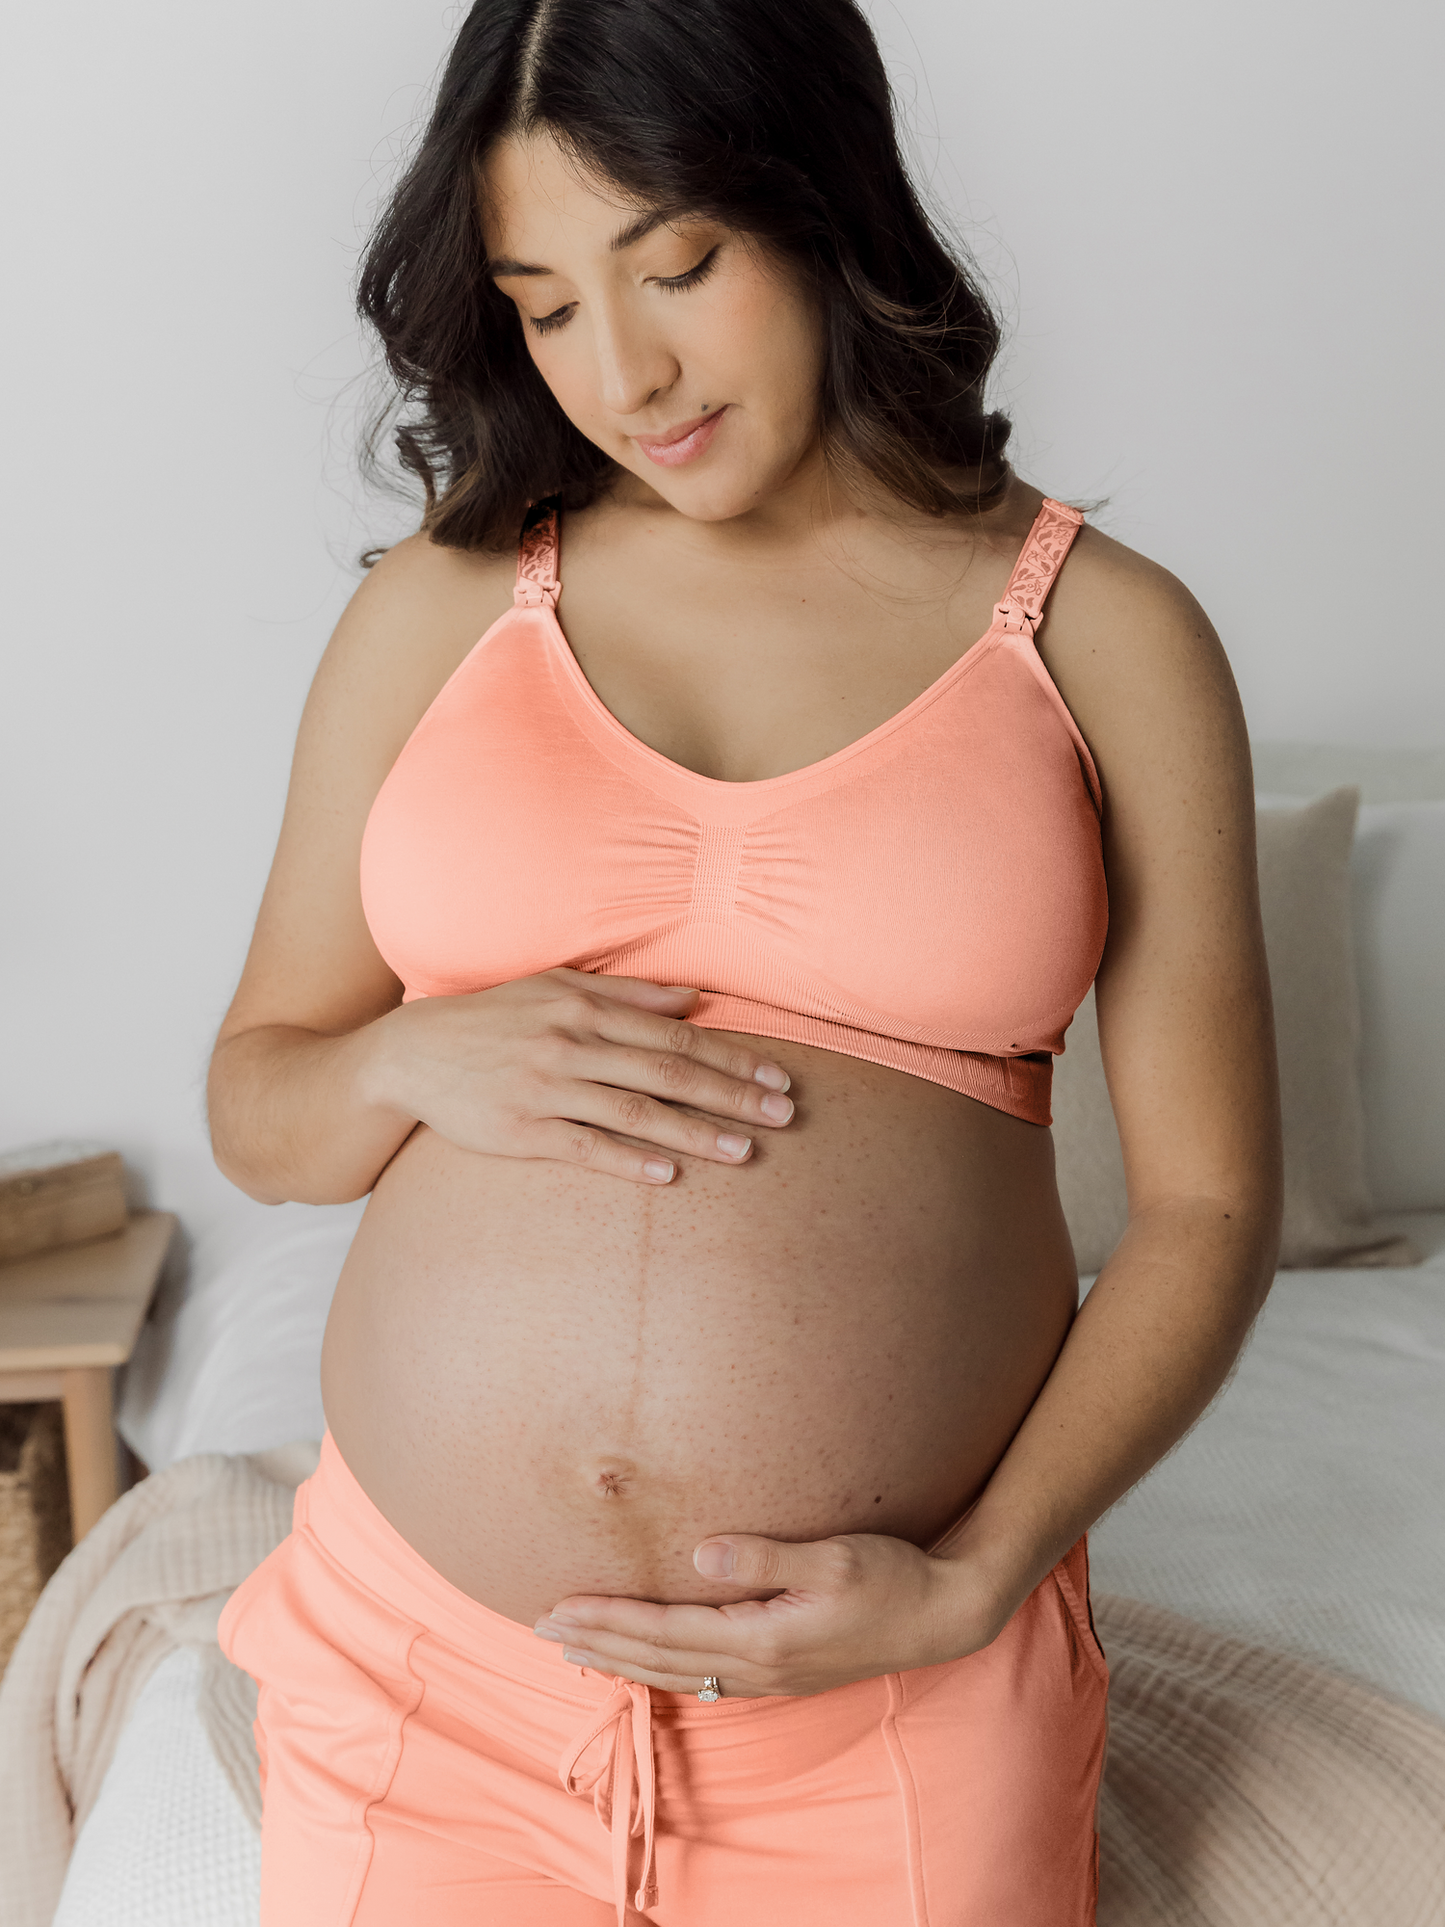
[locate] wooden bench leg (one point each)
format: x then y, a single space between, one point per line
90 1456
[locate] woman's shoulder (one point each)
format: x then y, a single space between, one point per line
1137 659
1105 594
415 615
1109 585
1123 612
421 587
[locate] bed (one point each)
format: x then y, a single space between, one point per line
1302 1514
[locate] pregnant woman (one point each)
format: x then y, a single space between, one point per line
677 957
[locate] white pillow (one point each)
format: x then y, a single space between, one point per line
235 1367
1307 899
1398 900
1399 915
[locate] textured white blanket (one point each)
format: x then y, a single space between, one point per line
151 1576
166 1845
1245 1788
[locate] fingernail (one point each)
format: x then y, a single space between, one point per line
546 1632
773 1077
576 1659
734 1147
679 990
658 1171
780 1108
561 1619
715 1559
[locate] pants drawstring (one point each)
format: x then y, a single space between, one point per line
613 1777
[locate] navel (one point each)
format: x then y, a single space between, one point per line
612 1479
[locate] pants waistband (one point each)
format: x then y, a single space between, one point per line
334 1509
611 1756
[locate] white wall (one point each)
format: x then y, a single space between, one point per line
1220 229
1212 230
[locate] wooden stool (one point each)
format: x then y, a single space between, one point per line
67 1318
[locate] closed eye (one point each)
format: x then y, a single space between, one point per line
694 275
674 284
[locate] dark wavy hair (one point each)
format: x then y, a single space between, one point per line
773 117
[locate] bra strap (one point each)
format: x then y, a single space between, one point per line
537 584
1040 560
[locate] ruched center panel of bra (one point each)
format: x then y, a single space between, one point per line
715 877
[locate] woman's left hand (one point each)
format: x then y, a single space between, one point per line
851 1608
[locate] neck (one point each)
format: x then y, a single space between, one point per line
817 505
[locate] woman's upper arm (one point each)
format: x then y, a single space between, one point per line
1185 1019
312 962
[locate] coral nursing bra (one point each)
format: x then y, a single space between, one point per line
932 897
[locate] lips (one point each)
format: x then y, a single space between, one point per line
684 443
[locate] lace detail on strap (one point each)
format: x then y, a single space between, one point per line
537 583
1039 562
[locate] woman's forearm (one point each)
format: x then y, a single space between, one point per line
296 1115
1152 1344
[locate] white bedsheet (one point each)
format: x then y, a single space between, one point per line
1305 1511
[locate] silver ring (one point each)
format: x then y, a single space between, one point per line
711 1690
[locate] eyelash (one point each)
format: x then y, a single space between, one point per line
677 284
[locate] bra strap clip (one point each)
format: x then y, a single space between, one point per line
537 585
1013 618
1039 562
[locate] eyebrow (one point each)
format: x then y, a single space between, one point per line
636 230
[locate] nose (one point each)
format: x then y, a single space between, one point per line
633 363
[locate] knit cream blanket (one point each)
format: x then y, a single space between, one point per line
1244 1788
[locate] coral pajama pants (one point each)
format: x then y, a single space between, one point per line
426 1760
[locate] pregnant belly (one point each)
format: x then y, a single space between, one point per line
551 1381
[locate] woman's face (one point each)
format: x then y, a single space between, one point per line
642 330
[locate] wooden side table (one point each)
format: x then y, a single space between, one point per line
67 1319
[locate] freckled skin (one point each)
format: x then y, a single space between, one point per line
552 1382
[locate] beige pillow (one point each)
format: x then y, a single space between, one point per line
1304 890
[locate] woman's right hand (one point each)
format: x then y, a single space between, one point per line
568 1065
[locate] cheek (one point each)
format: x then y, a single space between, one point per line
764 347
570 371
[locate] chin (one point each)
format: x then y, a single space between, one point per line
711 498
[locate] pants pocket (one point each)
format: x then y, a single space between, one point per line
332 1665
1071 1576
234 1610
